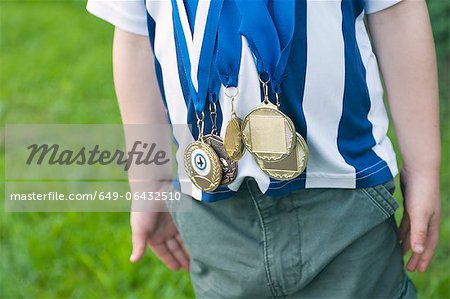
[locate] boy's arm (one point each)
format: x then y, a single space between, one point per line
140 102
135 80
404 45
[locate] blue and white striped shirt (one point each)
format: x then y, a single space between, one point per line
332 91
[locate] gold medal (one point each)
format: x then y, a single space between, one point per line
268 133
201 161
203 166
233 135
229 166
233 139
290 167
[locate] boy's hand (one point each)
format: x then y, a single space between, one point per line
419 228
158 231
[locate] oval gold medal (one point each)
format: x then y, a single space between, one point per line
233 139
203 166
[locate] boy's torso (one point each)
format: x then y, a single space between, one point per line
332 92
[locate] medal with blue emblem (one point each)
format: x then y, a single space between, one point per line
202 163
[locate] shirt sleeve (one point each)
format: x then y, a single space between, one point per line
128 15
373 6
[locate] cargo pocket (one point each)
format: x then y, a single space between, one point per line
382 197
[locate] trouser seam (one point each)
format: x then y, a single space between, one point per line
300 275
403 290
265 248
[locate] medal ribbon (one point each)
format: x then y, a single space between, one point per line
269 28
229 45
198 95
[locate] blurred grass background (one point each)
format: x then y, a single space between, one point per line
55 67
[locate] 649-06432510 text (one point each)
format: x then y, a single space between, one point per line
97 195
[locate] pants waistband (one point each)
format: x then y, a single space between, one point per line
251 186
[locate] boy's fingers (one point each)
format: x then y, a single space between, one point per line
139 240
164 254
418 239
178 252
419 232
178 237
432 241
425 258
413 262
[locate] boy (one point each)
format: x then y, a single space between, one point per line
329 232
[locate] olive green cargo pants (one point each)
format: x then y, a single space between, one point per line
314 243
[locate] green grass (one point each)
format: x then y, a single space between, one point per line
55 67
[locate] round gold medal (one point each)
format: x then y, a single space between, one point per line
229 166
268 133
203 166
233 139
290 167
